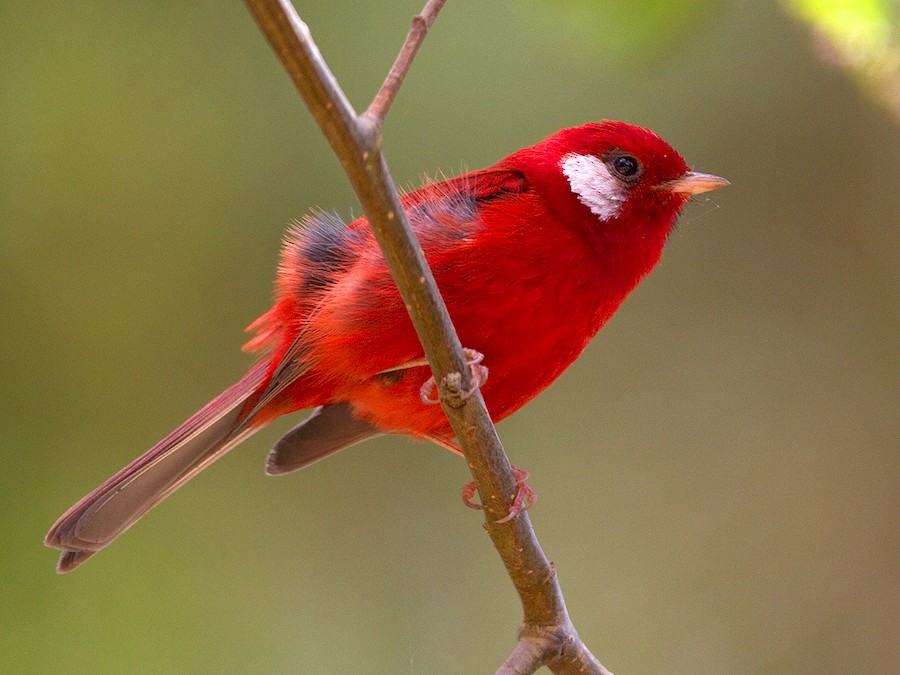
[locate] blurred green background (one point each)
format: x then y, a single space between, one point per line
718 474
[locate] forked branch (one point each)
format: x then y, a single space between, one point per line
420 25
547 636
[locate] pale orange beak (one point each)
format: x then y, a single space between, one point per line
693 183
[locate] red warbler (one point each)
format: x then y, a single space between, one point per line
531 255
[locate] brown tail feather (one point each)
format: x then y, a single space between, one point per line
101 516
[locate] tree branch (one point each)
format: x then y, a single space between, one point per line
547 636
417 32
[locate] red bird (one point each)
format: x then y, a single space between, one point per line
531 255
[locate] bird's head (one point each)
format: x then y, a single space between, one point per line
622 180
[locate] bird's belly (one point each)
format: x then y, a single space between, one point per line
526 345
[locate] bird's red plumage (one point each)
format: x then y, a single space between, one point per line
528 273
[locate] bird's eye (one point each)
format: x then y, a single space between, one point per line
626 166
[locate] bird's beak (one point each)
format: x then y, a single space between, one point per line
693 183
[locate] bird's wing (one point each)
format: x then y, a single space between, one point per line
330 428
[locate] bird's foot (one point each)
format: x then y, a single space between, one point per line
524 499
430 393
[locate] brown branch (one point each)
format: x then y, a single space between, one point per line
417 32
547 636
536 643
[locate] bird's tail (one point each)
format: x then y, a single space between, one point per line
104 514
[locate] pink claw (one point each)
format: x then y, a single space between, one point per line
525 496
468 491
429 392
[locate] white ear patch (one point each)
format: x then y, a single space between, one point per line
596 187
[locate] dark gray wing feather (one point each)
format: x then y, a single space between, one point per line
330 428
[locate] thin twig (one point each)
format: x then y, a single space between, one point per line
356 140
417 31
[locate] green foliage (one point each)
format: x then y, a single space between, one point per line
861 36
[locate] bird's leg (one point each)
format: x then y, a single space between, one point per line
525 496
467 492
430 393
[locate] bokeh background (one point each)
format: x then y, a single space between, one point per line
718 474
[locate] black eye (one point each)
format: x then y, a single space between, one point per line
626 166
